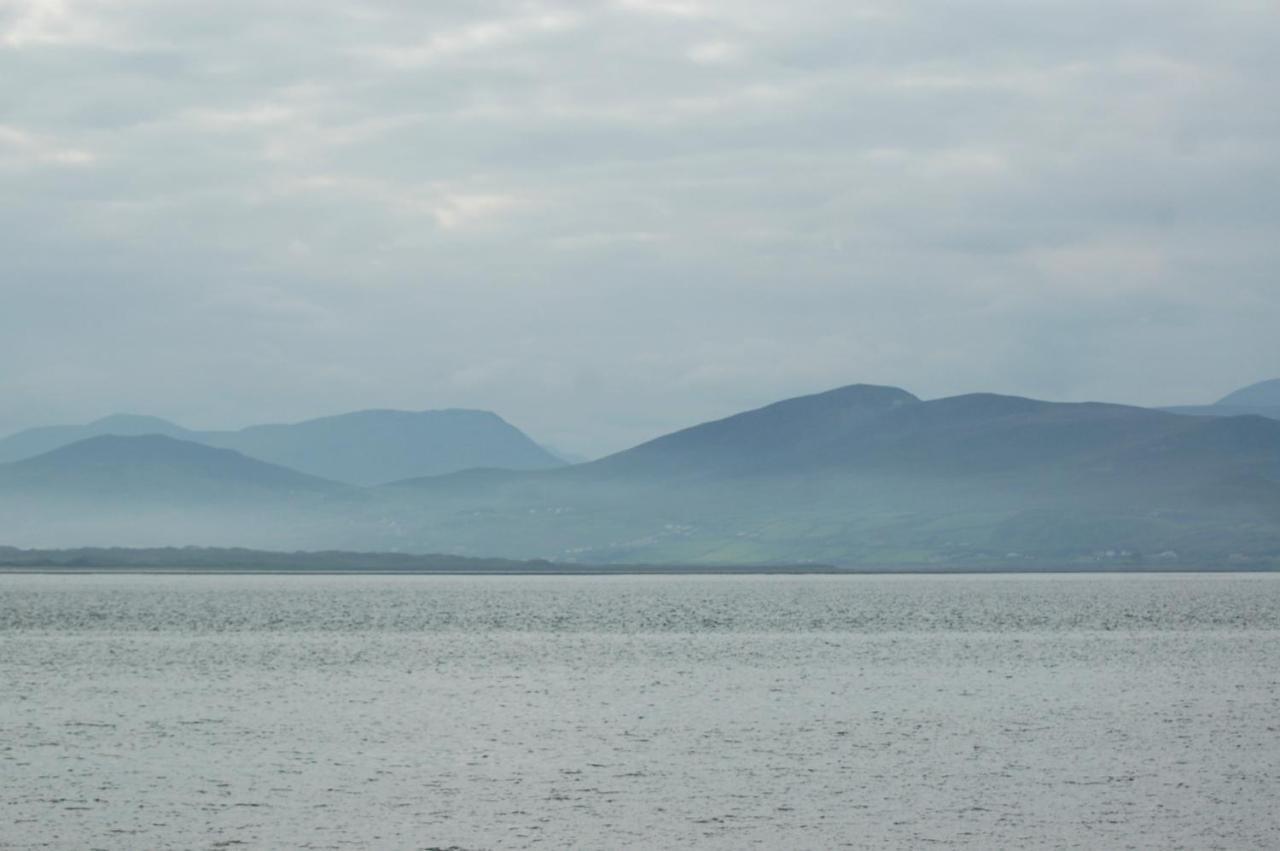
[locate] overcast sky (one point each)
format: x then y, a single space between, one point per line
608 220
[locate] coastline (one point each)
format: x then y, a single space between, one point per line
631 570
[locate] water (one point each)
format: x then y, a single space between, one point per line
646 712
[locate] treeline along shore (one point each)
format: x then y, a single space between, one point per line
241 560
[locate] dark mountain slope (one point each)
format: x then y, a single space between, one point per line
153 469
859 475
767 438
1261 399
1272 412
372 447
363 448
1213 448
1264 394
35 441
873 475
987 433
885 431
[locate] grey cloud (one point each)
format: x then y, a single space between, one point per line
605 220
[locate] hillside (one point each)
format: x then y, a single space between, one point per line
867 474
770 438
37 441
886 431
372 447
1261 399
860 475
1264 394
361 448
154 490
153 469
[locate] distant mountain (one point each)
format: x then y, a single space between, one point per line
768 438
861 475
1225 411
154 470
867 475
362 448
240 559
1264 394
155 490
35 441
1261 399
372 447
564 456
888 431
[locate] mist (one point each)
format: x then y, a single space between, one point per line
608 221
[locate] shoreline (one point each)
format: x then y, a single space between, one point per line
625 570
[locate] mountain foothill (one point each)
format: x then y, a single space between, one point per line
861 475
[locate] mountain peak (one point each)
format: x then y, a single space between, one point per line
112 450
1264 394
134 424
762 436
155 466
361 447
374 446
878 395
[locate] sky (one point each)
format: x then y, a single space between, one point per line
608 220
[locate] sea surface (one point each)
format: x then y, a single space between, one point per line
353 712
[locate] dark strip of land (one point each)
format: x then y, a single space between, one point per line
220 560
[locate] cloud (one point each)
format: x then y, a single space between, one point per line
609 219
44 23
19 148
484 36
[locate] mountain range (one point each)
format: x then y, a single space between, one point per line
360 448
154 469
1261 399
858 475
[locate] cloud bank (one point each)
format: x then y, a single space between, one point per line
606 220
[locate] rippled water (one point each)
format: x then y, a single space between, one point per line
647 712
